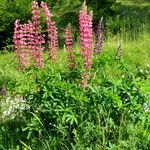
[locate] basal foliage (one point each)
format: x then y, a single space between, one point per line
108 114
111 113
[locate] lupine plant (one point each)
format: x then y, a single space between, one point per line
69 46
29 41
86 41
33 38
99 36
52 32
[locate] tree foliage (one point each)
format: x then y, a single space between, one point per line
64 11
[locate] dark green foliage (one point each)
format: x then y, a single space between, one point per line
10 10
87 118
130 21
11 132
64 11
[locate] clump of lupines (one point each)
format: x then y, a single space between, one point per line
118 52
38 48
86 41
99 36
52 32
69 46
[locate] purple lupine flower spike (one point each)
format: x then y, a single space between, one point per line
99 36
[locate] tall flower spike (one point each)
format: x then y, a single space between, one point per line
86 41
24 45
99 36
20 45
86 37
53 41
90 49
69 46
37 54
30 40
52 32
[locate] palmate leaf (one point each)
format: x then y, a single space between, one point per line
70 118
